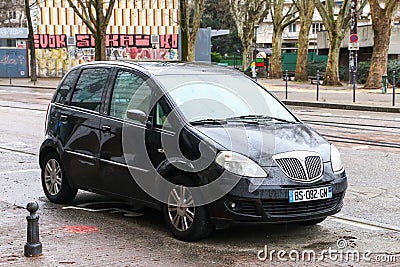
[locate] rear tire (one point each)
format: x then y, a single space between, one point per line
54 180
185 220
312 222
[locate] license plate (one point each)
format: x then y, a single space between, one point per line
310 194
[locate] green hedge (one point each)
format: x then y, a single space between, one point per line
312 68
216 57
364 66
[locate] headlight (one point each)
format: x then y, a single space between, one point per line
239 164
336 161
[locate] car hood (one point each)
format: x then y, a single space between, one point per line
261 142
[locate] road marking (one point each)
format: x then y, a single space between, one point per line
357 222
326 114
20 171
13 91
364 117
21 153
359 225
397 119
360 147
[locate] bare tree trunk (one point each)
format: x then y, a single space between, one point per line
281 18
191 50
337 24
184 30
96 21
276 59
189 34
248 13
332 67
379 58
31 43
302 52
306 11
247 55
382 26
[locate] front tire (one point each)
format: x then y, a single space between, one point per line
54 180
185 220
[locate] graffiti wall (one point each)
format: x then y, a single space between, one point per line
55 57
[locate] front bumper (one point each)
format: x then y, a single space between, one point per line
270 204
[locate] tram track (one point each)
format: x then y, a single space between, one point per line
356 130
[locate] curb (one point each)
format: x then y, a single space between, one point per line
341 106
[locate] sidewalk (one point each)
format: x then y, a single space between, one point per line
299 94
337 97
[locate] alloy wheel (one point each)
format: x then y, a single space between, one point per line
181 210
53 177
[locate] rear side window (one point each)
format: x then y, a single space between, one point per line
129 89
66 87
89 88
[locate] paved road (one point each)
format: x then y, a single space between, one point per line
119 235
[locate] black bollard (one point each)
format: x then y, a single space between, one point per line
317 85
33 247
394 89
286 85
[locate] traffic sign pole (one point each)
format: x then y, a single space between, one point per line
354 47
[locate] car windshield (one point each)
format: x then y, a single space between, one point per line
223 97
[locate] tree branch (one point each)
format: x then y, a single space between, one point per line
85 20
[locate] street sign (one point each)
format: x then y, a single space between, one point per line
259 62
354 46
354 38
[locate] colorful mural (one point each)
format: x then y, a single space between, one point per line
55 62
62 40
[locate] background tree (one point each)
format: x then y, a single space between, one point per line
306 11
336 24
382 19
281 18
91 12
31 43
216 17
247 14
191 12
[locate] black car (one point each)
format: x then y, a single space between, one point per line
206 145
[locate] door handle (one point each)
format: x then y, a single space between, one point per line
106 128
63 117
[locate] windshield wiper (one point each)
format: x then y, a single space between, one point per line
208 121
259 117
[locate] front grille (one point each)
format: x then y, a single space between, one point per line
283 208
293 168
300 166
313 166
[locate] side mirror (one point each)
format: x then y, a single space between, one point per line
136 115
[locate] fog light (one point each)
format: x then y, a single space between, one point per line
233 205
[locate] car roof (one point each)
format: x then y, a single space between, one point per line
161 68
